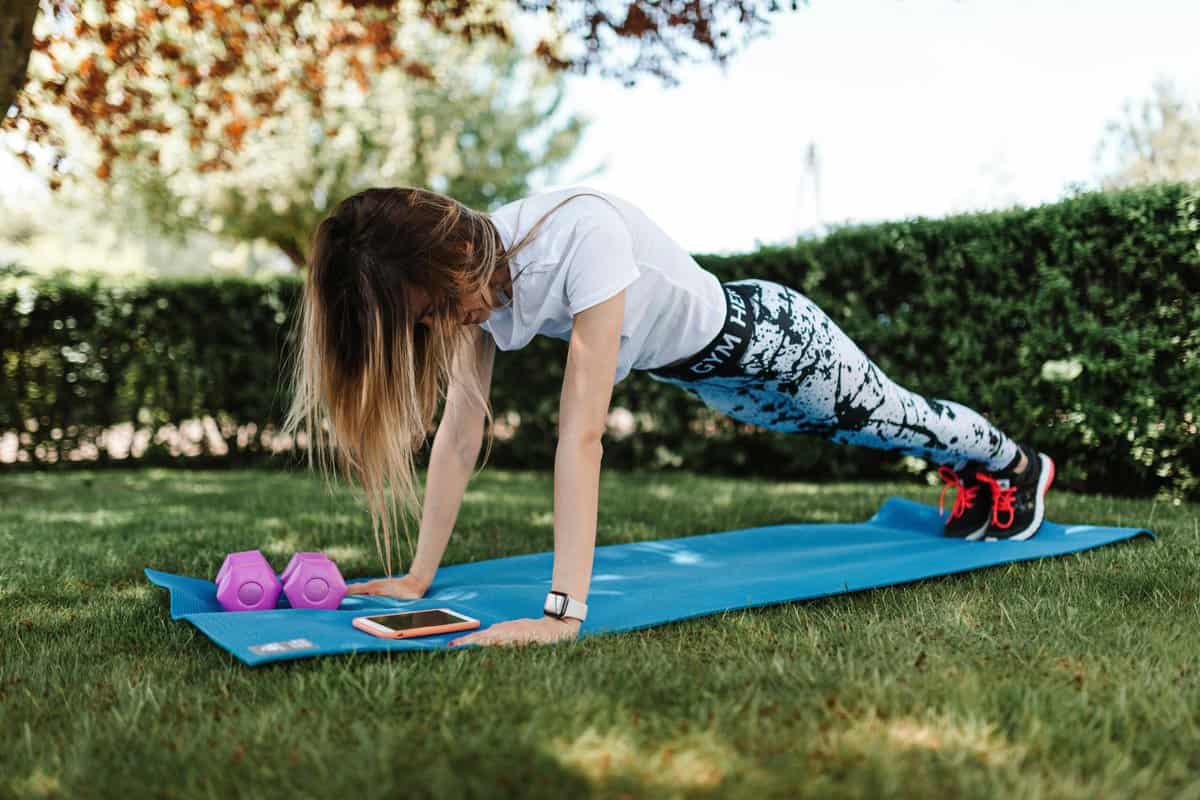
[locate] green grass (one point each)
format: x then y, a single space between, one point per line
1069 677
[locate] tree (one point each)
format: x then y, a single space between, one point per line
465 135
115 89
16 41
1155 140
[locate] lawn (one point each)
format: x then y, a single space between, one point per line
1076 676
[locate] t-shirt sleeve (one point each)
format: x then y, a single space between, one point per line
601 262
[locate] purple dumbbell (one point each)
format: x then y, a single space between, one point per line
246 582
311 580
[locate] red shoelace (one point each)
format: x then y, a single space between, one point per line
1002 500
963 498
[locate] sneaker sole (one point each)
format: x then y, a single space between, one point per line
1039 511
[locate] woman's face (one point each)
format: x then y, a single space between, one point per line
475 309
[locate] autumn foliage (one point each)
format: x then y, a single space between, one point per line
121 68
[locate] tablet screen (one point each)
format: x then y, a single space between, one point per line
415 619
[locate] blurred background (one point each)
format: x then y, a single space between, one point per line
149 142
844 112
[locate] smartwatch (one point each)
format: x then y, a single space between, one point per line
561 604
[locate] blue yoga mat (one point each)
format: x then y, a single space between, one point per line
641 584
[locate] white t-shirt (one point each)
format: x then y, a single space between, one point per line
587 251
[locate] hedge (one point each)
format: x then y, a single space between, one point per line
1071 325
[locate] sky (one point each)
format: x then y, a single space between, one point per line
915 107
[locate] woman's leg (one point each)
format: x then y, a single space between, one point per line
801 373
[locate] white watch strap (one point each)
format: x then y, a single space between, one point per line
560 604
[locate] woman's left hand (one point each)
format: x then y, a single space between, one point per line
518 631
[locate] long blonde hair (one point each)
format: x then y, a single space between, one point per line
367 380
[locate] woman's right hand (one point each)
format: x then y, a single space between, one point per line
406 588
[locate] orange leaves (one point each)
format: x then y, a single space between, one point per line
266 98
545 53
202 48
379 34
359 72
339 34
235 130
203 53
419 69
637 22
88 98
140 125
236 45
314 75
212 164
169 50
222 67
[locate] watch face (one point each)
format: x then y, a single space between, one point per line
560 604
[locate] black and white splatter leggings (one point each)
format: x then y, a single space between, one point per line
781 363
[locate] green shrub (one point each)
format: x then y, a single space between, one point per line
1071 325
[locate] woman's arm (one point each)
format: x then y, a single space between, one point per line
583 411
582 416
452 459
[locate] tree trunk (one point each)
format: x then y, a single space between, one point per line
16 42
293 251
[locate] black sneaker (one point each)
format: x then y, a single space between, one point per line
972 510
1019 501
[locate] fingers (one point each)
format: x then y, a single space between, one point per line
486 641
478 637
472 638
383 591
401 588
380 587
502 633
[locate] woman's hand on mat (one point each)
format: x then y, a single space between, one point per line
406 588
518 631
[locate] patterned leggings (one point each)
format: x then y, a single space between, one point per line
781 363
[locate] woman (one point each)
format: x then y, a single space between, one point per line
409 294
